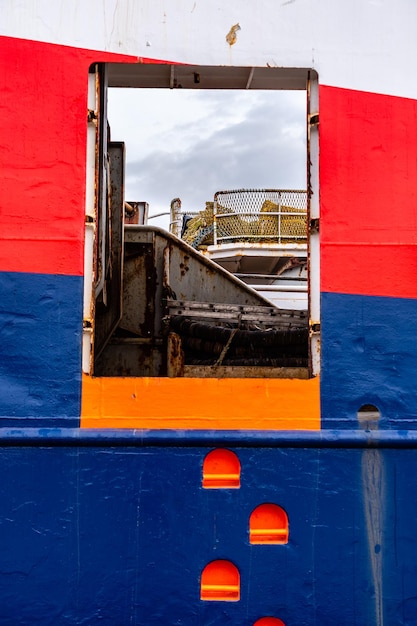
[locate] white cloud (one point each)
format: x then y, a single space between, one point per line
190 144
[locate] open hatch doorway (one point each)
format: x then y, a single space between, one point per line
242 127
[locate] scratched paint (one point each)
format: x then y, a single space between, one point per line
374 498
368 357
98 535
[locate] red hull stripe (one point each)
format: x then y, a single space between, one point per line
368 193
43 106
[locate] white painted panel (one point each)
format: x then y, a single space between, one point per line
358 44
314 240
90 227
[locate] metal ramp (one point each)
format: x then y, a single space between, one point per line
184 315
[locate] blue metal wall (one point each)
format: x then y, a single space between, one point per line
369 348
40 365
118 533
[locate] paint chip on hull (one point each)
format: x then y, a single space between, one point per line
231 36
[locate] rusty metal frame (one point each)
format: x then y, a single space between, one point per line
313 221
101 226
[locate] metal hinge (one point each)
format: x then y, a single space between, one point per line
314 327
315 225
313 119
91 116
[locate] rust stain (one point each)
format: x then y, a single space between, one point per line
175 356
231 36
184 267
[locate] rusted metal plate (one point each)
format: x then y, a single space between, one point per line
139 289
126 357
108 309
136 213
222 371
262 316
218 319
175 356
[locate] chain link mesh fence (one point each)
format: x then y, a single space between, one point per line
249 215
257 215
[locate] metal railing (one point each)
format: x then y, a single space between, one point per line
245 215
260 215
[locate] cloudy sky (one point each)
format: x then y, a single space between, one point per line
192 143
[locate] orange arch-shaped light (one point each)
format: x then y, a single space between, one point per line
220 580
268 524
269 621
221 470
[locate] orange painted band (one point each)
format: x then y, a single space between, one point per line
201 404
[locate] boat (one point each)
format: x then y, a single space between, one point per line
184 438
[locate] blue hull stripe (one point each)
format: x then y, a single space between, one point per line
40 339
369 356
